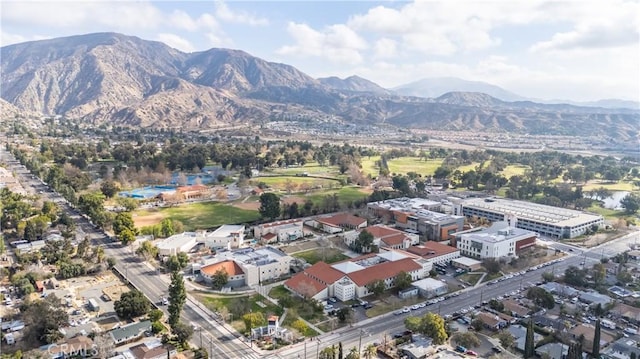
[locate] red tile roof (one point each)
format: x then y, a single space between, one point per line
195 187
383 271
381 231
304 285
280 223
343 219
431 249
231 267
324 273
394 239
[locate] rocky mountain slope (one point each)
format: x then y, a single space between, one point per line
125 80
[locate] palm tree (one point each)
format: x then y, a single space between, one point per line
370 351
353 353
328 352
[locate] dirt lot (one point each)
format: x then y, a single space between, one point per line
147 220
253 205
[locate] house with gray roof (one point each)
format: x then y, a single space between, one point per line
553 350
595 298
622 349
129 332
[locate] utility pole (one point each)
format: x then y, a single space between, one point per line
317 348
360 343
305 349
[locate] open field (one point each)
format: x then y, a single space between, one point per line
402 165
469 167
619 186
327 255
345 194
282 182
607 213
312 168
369 166
201 215
514 170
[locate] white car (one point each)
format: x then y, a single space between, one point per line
165 301
406 310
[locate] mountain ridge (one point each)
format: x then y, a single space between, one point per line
126 80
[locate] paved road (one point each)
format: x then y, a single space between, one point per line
210 334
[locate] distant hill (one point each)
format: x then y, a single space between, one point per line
118 79
438 86
354 84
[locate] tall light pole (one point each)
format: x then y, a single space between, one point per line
360 343
317 348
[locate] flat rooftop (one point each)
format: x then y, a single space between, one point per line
499 232
533 211
416 206
227 230
177 240
253 256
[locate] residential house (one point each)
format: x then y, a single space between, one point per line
627 312
622 349
153 351
519 334
129 332
492 321
588 332
516 309
77 346
553 350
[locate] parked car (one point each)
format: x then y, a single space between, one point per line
472 353
461 349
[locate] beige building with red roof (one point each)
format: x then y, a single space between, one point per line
337 223
385 237
349 279
233 270
435 252
285 231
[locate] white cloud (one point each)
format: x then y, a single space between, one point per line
336 43
181 20
9 38
218 40
176 42
385 48
225 14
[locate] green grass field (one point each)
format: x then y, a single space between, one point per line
345 195
200 215
514 170
280 182
312 168
403 165
327 255
218 302
469 167
369 166
619 186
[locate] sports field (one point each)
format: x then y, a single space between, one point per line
201 215
403 165
283 182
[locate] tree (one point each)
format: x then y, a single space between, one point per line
253 320
363 243
496 305
403 280
219 279
467 340
633 355
492 265
178 262
344 314
624 277
432 325
123 221
147 250
548 276
126 236
340 350
131 304
630 203
595 351
370 351
353 353
529 344
506 339
269 206
599 273
376 287
166 228
182 332
329 352
177 298
574 276
541 297
109 188
43 319
477 324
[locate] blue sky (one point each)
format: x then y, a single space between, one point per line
574 50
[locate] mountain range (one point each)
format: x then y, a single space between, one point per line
109 77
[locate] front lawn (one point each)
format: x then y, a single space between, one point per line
327 255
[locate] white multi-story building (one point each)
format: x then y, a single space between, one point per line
499 240
227 236
281 231
546 220
177 243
